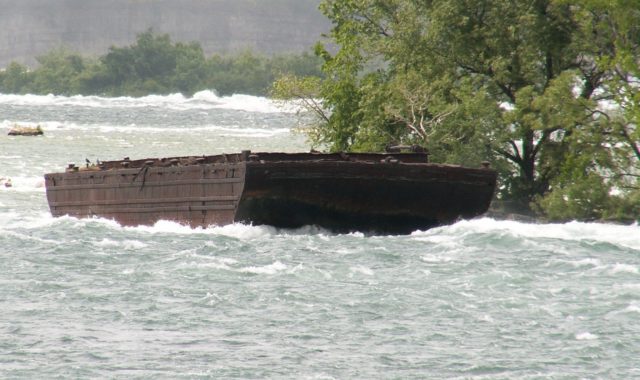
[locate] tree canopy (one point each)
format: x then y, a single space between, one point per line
546 90
153 64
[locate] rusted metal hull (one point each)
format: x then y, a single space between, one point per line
379 193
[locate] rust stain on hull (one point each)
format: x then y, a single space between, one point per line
380 193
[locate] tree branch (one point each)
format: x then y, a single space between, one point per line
633 144
543 139
516 150
515 158
489 73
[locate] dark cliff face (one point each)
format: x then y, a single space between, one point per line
34 27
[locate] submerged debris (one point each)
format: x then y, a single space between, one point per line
5 181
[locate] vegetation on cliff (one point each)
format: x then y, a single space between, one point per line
546 90
154 65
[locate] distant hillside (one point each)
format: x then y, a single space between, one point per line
33 27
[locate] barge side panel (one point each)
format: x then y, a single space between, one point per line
342 196
197 195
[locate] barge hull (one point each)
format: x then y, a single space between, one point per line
379 193
199 195
385 198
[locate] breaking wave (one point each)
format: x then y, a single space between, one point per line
219 130
203 100
623 235
460 233
21 183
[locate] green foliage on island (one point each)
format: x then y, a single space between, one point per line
154 65
546 90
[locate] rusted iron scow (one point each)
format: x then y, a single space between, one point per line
379 193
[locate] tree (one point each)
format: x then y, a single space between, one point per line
519 83
145 67
57 73
611 33
154 65
190 68
15 79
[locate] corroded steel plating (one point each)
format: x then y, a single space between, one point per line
372 192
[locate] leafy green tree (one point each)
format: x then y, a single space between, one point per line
519 83
190 68
249 73
610 31
305 65
14 79
145 67
305 92
154 56
57 73
118 67
95 80
154 65
244 72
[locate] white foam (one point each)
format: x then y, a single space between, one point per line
243 231
28 237
362 270
234 130
221 130
633 308
267 269
623 235
236 230
228 264
432 258
487 318
226 260
586 336
106 243
22 184
214 265
126 244
586 262
13 220
624 268
204 100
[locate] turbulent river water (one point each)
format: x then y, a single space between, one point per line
480 299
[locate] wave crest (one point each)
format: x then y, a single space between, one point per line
621 235
203 100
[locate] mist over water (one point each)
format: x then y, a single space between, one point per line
481 299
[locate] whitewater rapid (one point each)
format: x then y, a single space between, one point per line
479 299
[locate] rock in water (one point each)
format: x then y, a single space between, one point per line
19 130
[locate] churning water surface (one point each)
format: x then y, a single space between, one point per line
483 299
